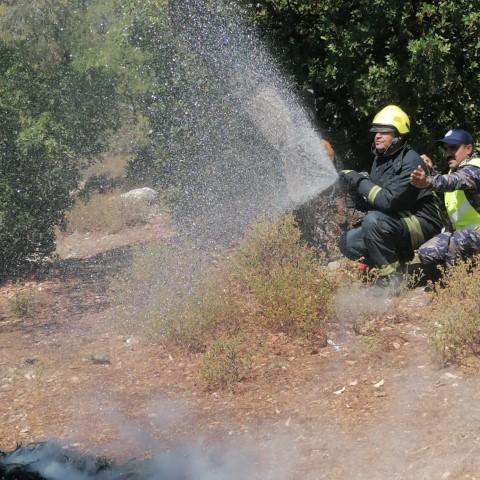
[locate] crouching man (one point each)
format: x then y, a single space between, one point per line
399 216
461 187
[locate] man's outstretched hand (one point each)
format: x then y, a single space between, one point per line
418 178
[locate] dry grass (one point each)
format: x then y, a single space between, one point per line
107 213
165 296
454 316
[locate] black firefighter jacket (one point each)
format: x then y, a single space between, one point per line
388 189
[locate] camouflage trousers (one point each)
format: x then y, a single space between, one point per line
448 247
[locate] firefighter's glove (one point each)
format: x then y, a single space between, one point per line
352 178
350 201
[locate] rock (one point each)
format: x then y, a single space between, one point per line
100 359
334 345
146 195
131 341
449 375
334 265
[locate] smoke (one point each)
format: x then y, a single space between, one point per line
424 426
50 461
428 429
168 444
356 304
357 301
232 460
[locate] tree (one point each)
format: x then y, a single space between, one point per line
53 117
359 56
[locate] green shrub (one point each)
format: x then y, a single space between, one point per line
221 366
454 316
47 131
23 303
292 292
204 302
184 295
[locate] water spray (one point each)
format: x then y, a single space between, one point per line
254 152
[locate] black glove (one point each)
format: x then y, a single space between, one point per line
350 201
352 178
356 201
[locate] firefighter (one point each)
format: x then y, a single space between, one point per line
461 187
399 217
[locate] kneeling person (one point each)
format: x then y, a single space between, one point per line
399 217
461 186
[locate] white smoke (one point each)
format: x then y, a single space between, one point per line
52 461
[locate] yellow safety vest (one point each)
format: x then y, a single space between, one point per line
459 209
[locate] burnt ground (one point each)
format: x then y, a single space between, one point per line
376 406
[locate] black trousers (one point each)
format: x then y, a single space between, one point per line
380 240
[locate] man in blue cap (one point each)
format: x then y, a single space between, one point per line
461 188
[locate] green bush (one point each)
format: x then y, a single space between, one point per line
271 280
23 303
292 293
221 366
53 118
204 302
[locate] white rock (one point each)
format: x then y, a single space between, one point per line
145 194
334 266
379 384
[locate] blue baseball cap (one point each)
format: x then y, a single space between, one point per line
457 136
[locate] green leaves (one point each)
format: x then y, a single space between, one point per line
359 56
53 118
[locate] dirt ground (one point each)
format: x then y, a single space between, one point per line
364 407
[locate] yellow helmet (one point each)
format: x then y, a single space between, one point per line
391 119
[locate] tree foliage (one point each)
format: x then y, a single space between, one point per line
52 118
359 56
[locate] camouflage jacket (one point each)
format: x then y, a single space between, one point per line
466 177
